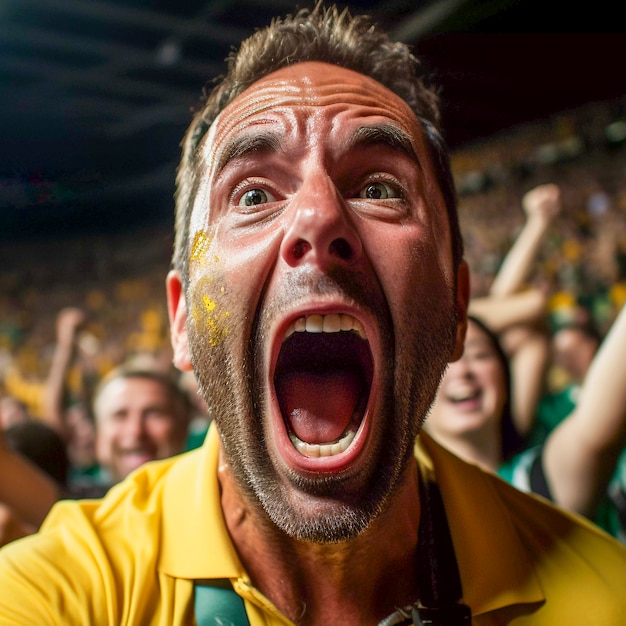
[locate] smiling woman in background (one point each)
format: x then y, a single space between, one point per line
471 416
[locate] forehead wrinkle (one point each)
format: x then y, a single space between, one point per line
385 134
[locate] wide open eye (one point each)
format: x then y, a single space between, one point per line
379 191
256 196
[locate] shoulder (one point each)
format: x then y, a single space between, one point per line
86 552
567 552
530 551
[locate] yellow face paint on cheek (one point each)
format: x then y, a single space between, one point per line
200 246
209 316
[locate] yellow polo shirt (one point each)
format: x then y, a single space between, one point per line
131 558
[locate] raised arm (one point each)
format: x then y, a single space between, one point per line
69 321
501 313
518 312
510 302
580 455
541 205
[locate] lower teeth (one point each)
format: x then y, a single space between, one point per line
315 450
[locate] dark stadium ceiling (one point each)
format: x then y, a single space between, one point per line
95 94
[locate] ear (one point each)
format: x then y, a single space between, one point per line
177 311
462 303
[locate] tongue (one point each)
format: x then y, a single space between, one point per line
318 406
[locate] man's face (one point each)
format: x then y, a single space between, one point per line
321 308
137 420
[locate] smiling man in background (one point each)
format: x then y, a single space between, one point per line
141 415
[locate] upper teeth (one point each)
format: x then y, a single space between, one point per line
332 323
460 394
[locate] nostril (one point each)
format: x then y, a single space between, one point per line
300 248
342 249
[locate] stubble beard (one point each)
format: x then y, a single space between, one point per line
324 511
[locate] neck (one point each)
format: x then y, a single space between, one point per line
354 582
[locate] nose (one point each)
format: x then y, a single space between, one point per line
320 230
461 368
135 426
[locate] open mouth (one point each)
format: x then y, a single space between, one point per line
133 458
322 379
464 394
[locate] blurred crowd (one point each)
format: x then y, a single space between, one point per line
583 261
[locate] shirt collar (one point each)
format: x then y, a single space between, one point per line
494 565
196 543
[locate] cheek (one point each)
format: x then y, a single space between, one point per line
208 309
492 378
107 431
160 430
227 276
103 443
439 401
413 280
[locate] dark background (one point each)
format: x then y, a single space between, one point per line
96 94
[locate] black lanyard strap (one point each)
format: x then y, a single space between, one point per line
438 577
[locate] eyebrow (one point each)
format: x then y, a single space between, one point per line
386 134
266 142
243 145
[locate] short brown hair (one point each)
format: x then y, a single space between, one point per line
167 380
